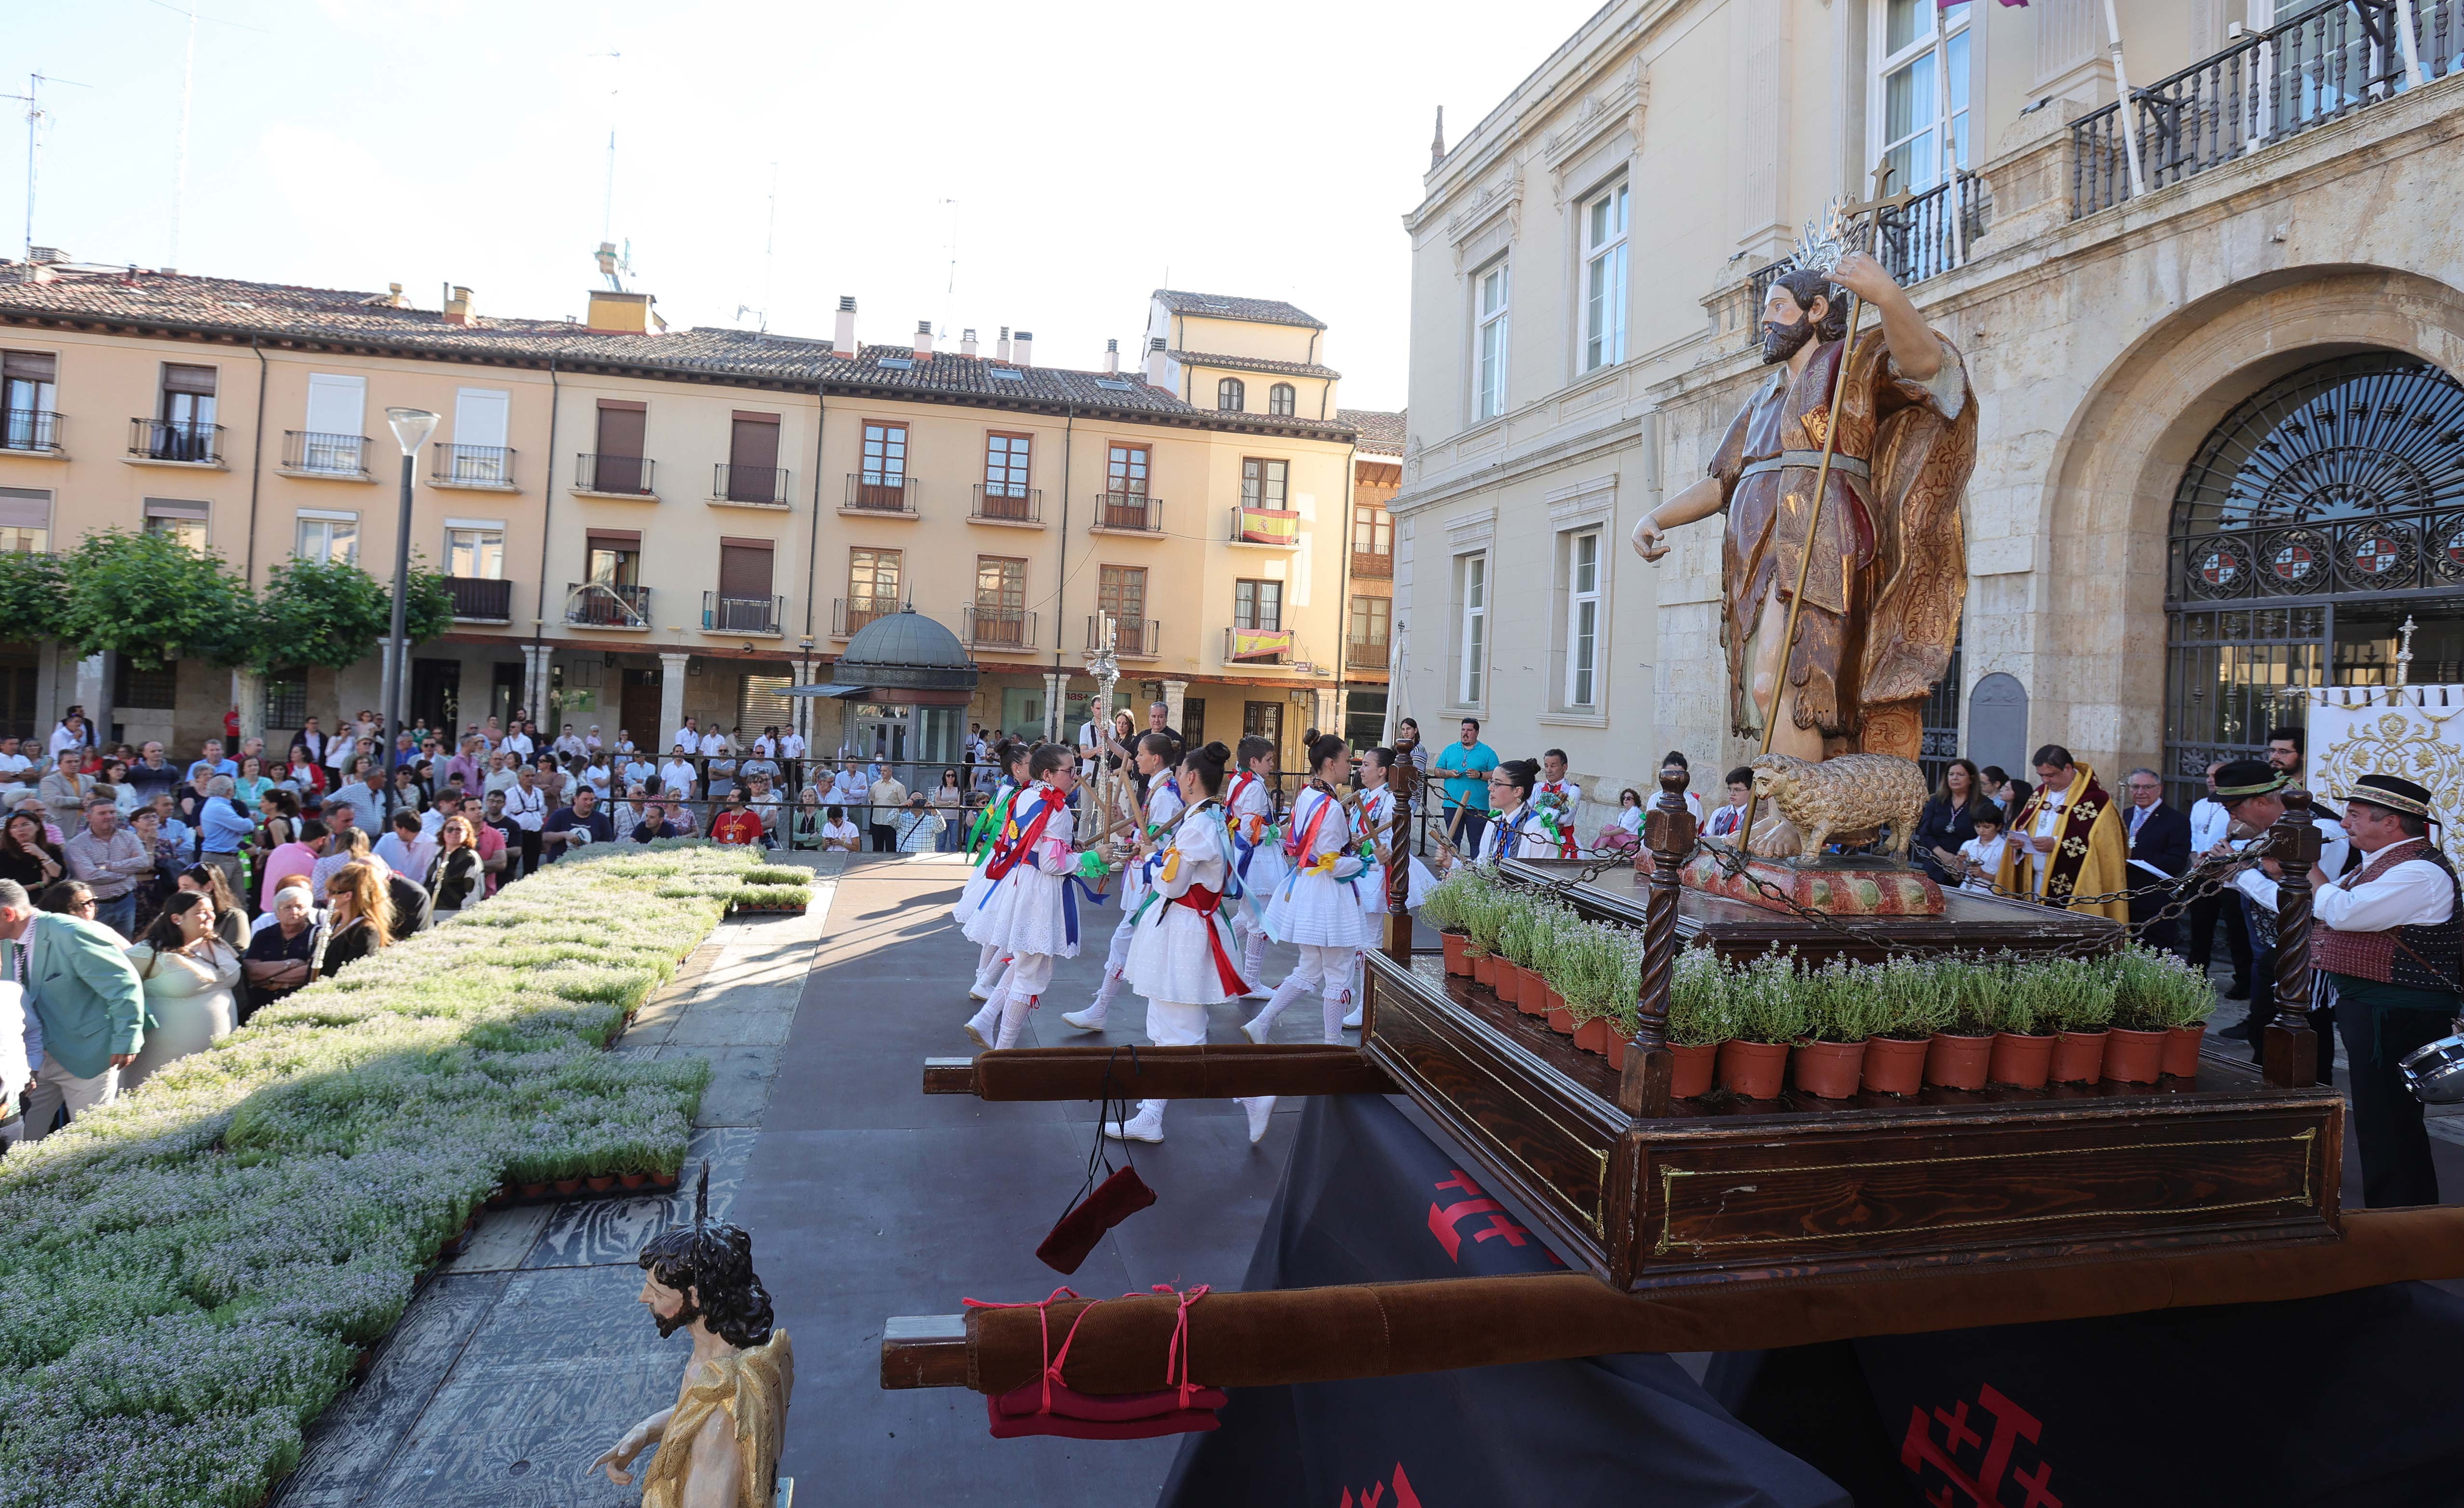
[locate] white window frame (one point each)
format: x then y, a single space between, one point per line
1605 220
1471 628
1933 48
15 538
1584 604
1491 337
179 518
324 522
476 526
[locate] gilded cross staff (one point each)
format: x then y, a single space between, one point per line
1872 209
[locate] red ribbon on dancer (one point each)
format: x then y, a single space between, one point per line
1205 903
1008 850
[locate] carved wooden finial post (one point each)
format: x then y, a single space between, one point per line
1669 834
2290 1053
1398 868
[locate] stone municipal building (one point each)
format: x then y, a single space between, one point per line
2216 336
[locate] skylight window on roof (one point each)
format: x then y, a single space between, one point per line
1008 374
898 363
1115 384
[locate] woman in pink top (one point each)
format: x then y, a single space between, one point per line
292 858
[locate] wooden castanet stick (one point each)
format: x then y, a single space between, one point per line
1668 833
2290 1050
1210 1072
1313 1335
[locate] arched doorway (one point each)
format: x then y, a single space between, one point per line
2313 521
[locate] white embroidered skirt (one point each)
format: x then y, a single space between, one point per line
1170 958
1024 916
1320 911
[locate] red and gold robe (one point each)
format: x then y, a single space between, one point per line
2091 855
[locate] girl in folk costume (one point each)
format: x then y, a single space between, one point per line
1373 824
1011 756
1517 831
1031 913
1181 957
1317 907
1163 805
1250 807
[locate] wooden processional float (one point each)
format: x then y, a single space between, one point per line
1739 1224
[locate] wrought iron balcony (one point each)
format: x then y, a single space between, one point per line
613 475
481 598
1133 637
2303 72
36 429
471 466
307 453
754 486
603 605
742 614
1000 627
1372 565
881 492
178 440
1913 243
1007 503
849 614
1129 513
1365 654
1276 527
1259 646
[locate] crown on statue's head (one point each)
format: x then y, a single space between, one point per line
1823 241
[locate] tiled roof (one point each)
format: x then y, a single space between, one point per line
230 307
1381 433
1264 311
1253 363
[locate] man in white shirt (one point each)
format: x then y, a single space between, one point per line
519 742
679 774
2253 790
850 787
715 743
71 734
689 735
13 763
526 806
2212 833
569 743
791 745
767 745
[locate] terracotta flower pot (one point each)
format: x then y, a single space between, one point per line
1691 1076
533 1191
1483 969
2079 1058
600 1183
2133 1057
1954 1061
1506 977
1550 999
1619 1042
1593 1036
567 1186
1458 962
2181 1050
1562 1022
664 1180
1827 1070
2021 1062
1753 1070
1895 1065
633 1180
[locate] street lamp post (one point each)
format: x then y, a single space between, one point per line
411 428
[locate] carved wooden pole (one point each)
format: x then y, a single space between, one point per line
1668 833
2291 1054
1398 872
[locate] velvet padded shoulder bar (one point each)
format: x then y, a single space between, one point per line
1308 1335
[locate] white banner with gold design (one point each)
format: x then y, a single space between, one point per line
2415 731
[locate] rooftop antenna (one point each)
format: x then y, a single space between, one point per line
950 289
607 203
769 254
35 115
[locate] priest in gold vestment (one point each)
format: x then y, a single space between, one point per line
1888 572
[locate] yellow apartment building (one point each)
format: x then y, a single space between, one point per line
642 524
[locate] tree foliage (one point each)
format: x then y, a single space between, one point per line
431 613
152 600
325 613
34 592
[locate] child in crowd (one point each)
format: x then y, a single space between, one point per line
1980 858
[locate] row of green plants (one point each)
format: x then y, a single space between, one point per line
1956 1022
190 1274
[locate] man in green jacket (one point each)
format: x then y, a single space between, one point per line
87 997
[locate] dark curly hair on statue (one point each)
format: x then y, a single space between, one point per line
1805 287
712 1263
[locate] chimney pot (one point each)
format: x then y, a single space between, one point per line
1023 349
1112 356
459 308
1155 362
924 339
843 338
1004 347
967 341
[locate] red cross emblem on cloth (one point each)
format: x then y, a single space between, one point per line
1445 1218
1375 1495
1980 1487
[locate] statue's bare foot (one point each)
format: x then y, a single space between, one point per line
1776 836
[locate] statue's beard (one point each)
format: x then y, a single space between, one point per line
1780 342
670 1325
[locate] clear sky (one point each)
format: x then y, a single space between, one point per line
1092 148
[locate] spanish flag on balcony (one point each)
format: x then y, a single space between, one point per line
1270 526
1261 644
